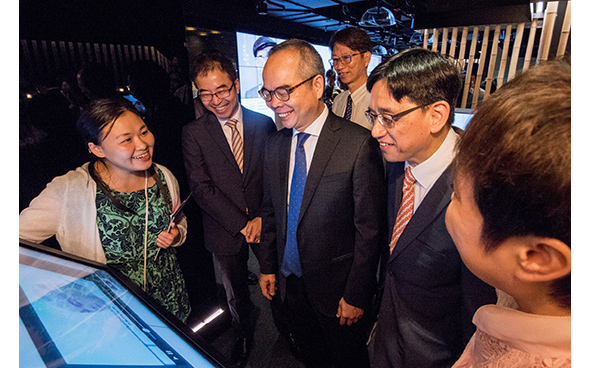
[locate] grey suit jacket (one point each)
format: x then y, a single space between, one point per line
227 197
340 225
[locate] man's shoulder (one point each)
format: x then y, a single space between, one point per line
349 127
201 121
250 115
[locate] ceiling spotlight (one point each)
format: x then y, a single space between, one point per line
379 50
378 16
261 8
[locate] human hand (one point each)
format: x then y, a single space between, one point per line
267 284
348 313
252 230
166 238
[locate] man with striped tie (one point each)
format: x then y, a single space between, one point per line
223 154
429 296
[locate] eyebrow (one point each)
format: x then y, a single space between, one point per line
218 87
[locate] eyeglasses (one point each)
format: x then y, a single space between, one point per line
343 59
224 93
281 93
388 120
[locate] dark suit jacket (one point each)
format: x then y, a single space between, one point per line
339 228
429 297
228 198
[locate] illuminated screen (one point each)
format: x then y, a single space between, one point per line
462 117
74 315
250 68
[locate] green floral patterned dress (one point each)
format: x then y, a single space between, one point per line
122 237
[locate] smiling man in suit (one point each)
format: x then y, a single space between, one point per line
322 213
223 155
429 296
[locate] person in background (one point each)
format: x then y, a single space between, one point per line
331 90
223 152
429 296
351 54
260 50
322 215
96 81
116 208
510 218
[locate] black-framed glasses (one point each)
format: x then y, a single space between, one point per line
281 93
343 59
388 120
224 93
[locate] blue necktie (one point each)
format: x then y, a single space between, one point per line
349 108
291 258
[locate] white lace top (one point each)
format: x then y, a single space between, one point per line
506 337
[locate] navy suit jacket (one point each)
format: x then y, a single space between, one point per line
340 225
227 197
429 296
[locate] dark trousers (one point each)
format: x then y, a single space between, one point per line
319 340
234 274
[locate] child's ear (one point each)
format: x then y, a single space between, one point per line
543 259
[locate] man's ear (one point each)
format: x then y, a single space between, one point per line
439 112
543 259
237 86
366 58
95 150
318 85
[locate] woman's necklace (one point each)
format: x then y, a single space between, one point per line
146 227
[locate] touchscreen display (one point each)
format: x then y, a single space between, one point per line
74 315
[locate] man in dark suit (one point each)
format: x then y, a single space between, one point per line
429 296
223 157
322 209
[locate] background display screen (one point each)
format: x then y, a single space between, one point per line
75 315
250 69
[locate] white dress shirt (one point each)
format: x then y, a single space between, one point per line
314 130
228 131
430 170
360 104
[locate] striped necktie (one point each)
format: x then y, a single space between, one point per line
406 207
237 147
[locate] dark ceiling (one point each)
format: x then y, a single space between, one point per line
317 20
162 23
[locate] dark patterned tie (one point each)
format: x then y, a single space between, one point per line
291 258
349 109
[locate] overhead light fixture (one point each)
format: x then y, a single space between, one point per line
261 8
379 50
378 16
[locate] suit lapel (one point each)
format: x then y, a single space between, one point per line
432 205
217 133
282 167
249 137
327 142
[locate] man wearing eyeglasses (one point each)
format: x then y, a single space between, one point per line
351 54
223 154
429 296
322 213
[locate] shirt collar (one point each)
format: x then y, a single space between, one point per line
359 93
316 126
237 116
428 172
